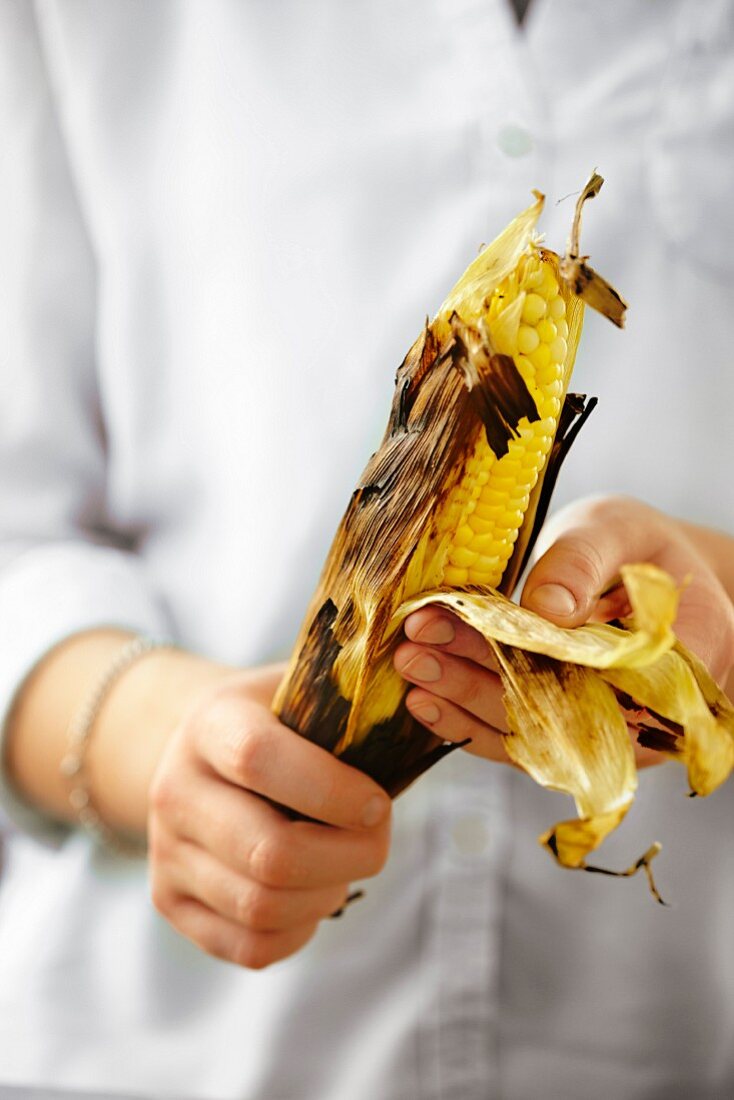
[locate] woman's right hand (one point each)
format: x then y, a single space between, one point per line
229 869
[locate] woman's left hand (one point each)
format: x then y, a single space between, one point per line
458 693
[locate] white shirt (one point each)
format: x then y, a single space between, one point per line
221 227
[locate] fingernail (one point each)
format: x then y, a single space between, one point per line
425 712
375 811
554 598
423 667
437 632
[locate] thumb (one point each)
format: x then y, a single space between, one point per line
568 579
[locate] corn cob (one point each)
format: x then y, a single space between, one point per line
447 511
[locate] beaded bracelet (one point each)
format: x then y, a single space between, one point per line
73 765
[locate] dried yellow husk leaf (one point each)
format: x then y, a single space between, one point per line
653 596
566 727
671 690
568 733
577 274
493 264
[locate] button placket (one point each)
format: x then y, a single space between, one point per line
470 834
469 843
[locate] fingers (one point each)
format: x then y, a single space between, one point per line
594 538
256 840
228 940
259 908
468 685
247 745
231 870
603 535
437 627
450 722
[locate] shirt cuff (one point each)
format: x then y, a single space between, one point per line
46 594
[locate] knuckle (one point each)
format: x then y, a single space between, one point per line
223 698
590 511
250 752
326 795
209 710
471 687
271 863
159 845
477 646
256 909
584 559
163 795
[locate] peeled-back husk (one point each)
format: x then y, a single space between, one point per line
566 727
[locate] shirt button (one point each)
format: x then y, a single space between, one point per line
470 835
514 141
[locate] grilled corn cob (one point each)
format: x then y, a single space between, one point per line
447 511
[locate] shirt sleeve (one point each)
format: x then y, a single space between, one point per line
63 568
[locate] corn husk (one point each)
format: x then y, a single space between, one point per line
562 688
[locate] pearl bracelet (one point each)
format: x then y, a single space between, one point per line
73 765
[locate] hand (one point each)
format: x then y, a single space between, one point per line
230 870
460 694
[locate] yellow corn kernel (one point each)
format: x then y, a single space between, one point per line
533 309
524 365
541 357
527 339
555 388
462 556
559 350
487 564
491 495
546 331
556 309
549 374
503 483
463 537
454 576
490 512
484 544
480 526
